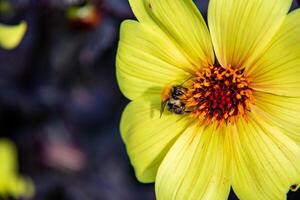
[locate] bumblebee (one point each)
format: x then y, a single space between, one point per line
173 97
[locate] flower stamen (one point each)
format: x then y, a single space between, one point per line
219 94
214 94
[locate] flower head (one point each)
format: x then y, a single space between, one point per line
212 109
11 184
11 36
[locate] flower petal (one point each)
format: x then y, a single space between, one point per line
10 36
11 184
8 156
277 71
147 61
148 136
197 166
241 30
283 112
266 162
182 22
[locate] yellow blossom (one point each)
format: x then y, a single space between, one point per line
11 184
212 107
11 36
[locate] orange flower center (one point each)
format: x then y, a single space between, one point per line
219 94
214 94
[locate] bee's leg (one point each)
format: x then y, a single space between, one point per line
190 109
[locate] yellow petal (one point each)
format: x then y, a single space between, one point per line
241 30
277 71
11 36
147 61
283 112
11 184
266 162
16 186
182 22
8 155
197 166
147 136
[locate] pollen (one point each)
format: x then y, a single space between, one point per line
218 94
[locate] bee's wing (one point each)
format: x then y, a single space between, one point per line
186 80
162 107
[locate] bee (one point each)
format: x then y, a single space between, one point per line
173 97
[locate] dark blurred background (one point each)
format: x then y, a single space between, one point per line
60 103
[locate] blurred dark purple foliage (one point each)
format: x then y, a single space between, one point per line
58 91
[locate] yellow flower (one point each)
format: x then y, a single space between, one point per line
233 121
11 36
11 184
